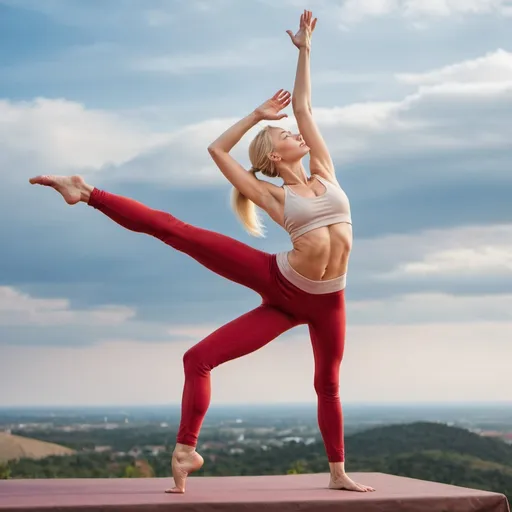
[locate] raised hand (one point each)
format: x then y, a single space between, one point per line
302 39
271 108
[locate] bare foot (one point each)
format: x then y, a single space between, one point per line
343 482
72 188
183 463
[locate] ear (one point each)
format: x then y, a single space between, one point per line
274 157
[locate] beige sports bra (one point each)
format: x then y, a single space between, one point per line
303 214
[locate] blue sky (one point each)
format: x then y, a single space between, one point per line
415 100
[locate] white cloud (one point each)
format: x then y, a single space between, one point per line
65 136
20 309
462 252
353 11
444 117
442 8
494 67
435 308
486 259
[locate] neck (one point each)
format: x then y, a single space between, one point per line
293 174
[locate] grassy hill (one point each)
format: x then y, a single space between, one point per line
16 447
423 436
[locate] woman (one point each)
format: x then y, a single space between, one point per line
303 286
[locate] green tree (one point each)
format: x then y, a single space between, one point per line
5 472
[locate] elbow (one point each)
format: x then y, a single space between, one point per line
301 108
214 150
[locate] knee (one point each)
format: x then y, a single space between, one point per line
194 361
327 387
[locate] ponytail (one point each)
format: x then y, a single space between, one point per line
246 212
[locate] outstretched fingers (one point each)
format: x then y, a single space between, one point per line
285 98
307 20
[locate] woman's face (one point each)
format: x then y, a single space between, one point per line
290 147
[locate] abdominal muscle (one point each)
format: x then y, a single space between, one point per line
322 253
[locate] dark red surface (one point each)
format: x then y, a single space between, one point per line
306 493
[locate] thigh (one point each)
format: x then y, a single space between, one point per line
241 336
221 254
225 256
327 331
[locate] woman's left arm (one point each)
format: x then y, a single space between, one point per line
320 158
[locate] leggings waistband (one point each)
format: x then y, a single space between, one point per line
308 285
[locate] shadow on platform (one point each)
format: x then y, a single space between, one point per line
306 493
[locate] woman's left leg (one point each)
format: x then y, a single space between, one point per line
327 331
328 341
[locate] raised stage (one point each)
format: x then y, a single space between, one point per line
305 493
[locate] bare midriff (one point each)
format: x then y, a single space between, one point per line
323 253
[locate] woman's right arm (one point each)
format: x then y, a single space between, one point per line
256 190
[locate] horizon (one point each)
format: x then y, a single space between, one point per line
264 404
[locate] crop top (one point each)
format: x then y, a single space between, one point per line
303 214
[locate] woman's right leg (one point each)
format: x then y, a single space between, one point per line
223 255
219 253
239 337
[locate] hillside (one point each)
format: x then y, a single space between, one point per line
16 447
423 436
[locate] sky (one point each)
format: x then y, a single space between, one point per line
414 98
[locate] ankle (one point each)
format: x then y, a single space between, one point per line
85 192
337 469
183 448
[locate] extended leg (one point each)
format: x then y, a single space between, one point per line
223 255
239 337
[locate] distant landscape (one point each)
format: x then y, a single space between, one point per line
465 445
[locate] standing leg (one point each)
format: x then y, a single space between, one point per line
223 255
327 333
239 337
328 342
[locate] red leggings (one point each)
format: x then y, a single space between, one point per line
283 306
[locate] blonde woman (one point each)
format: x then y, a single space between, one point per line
302 286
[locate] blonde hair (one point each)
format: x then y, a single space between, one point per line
259 149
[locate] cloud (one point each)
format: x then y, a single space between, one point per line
353 11
18 308
462 260
445 117
494 67
431 308
460 252
65 136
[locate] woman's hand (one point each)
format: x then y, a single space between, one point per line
302 39
270 109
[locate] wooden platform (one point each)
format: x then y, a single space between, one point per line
306 493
